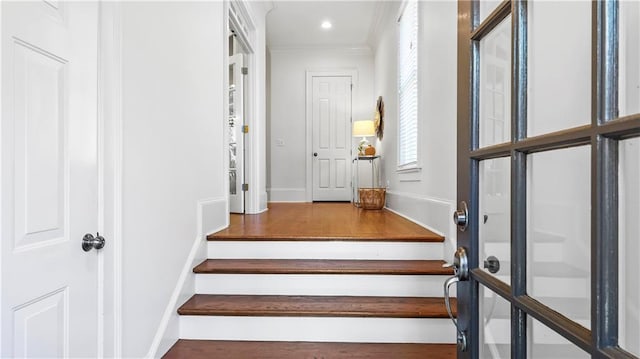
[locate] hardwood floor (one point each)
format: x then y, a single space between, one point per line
186 349
315 306
324 221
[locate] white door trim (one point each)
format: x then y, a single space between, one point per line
308 119
110 168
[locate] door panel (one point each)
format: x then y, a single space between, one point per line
571 212
559 216
629 246
236 135
49 179
559 80
494 233
495 325
331 134
544 343
495 85
629 57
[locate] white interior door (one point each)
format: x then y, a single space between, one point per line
236 135
49 179
331 138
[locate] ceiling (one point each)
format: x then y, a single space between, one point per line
296 24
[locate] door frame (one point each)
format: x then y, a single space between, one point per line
310 74
245 20
602 134
110 169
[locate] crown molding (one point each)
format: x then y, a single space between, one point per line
365 48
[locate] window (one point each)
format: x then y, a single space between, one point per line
408 86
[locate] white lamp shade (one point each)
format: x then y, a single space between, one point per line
364 128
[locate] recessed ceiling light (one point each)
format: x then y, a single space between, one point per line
326 25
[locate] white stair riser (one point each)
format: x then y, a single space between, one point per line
498 331
324 250
560 287
543 252
318 329
322 284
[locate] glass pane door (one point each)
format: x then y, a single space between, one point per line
549 168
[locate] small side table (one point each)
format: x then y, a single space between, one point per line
375 175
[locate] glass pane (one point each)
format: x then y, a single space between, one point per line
559 79
629 246
495 85
559 231
495 219
495 333
544 343
487 7
629 59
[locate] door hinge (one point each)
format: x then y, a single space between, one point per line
245 129
245 187
245 70
351 87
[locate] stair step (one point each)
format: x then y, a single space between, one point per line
315 306
376 237
197 349
322 266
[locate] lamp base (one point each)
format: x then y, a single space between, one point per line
370 151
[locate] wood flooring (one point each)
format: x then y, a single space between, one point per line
315 306
322 266
187 349
324 221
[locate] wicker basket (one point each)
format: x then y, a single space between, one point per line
372 198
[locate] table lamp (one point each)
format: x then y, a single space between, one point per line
364 129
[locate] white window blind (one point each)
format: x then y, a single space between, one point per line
408 86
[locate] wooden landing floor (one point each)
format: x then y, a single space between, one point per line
324 221
304 350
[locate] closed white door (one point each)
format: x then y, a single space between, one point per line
331 138
236 134
49 179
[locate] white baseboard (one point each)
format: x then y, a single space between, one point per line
211 217
264 198
287 194
431 213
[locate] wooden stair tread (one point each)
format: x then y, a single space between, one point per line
313 238
315 306
322 266
211 349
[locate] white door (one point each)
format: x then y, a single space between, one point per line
49 179
331 137
236 134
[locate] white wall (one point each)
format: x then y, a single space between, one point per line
286 173
427 196
172 150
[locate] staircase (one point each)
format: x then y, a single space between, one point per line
265 296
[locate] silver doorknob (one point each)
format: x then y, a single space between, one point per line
89 242
461 216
